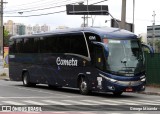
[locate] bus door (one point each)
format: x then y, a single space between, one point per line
99 57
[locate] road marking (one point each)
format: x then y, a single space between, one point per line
13 103
36 97
56 102
97 102
34 90
34 102
78 102
137 102
113 102
149 102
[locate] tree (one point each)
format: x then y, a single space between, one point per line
6 38
157 43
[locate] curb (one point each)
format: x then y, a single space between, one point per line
150 93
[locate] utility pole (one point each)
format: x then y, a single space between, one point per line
84 19
123 14
133 15
87 15
1 27
153 34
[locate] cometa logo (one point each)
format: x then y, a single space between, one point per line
65 62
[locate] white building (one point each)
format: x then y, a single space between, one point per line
45 28
29 30
36 28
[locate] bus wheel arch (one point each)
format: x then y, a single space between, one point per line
83 84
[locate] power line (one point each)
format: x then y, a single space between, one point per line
33 8
38 14
47 8
50 13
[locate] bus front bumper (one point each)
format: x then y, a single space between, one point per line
130 86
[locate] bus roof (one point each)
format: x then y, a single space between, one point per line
104 32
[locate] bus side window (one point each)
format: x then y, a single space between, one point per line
98 57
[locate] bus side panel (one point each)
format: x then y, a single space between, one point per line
15 67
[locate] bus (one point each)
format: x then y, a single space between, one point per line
99 59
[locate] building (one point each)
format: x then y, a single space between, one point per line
10 26
45 28
29 30
154 32
21 29
36 28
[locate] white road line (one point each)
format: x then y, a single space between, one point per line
36 97
34 90
149 102
34 102
78 102
112 102
137 102
13 103
56 102
98 102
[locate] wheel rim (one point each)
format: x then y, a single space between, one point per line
83 86
25 80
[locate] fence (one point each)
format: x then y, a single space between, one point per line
153 68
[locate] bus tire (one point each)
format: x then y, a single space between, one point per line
83 86
26 81
117 93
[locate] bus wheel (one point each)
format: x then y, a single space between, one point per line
117 93
83 86
26 80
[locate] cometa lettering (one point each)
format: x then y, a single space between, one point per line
64 62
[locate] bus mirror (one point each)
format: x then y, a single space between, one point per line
106 51
148 49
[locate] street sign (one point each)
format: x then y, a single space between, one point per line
128 26
87 9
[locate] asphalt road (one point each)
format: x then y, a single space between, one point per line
63 99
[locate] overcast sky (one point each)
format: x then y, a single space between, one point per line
143 13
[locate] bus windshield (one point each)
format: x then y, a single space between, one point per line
125 57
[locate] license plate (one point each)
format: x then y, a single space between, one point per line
129 90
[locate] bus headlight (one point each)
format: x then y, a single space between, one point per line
143 80
113 80
107 78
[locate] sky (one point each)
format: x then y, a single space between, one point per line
143 13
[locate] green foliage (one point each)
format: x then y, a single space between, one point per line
6 33
3 74
157 43
6 38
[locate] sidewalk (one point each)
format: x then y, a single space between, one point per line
150 90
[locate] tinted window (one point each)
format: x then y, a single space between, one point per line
19 45
64 43
72 43
29 45
48 44
78 45
12 46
